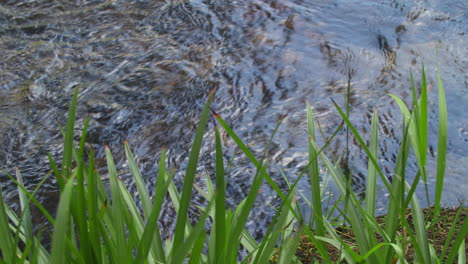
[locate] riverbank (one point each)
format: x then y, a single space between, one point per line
450 222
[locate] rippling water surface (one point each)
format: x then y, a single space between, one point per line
145 68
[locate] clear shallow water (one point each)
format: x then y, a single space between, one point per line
145 68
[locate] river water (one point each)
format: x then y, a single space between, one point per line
145 68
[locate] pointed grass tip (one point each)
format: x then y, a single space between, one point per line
216 115
212 91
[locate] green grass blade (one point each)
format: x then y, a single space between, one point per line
396 248
248 153
403 108
180 252
418 129
68 143
60 252
196 253
420 230
175 196
461 253
220 205
7 246
79 205
109 248
31 197
141 186
210 195
364 146
338 243
396 210
441 145
25 252
289 247
118 209
38 251
459 241
247 240
54 168
190 174
151 229
132 216
450 234
277 227
160 193
314 179
241 215
24 203
93 208
423 118
362 234
371 184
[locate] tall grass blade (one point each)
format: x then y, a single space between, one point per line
60 252
247 240
196 254
174 195
118 210
220 205
314 177
68 142
338 243
240 217
423 117
395 206
93 208
180 251
32 198
278 226
288 248
396 248
151 232
450 234
459 241
420 230
441 145
79 207
418 127
132 215
462 253
26 212
7 246
245 207
363 145
249 154
371 184
141 186
190 174
38 252
160 193
361 232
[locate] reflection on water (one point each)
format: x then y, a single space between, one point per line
144 69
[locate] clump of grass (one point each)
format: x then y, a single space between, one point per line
450 222
96 226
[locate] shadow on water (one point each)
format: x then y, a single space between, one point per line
144 69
